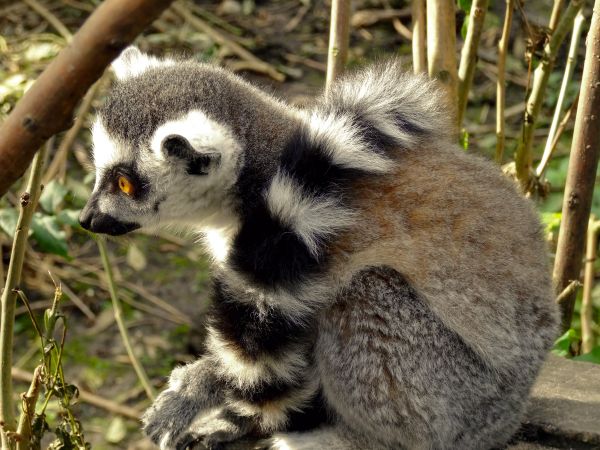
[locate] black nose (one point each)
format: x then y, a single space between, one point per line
98 222
85 218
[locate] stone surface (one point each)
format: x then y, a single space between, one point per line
565 401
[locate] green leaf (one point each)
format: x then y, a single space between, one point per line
464 139
464 28
68 217
8 220
465 5
48 235
562 346
593 356
52 196
551 221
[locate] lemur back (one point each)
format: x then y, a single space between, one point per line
374 285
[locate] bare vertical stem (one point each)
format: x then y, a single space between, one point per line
418 31
339 37
468 57
581 175
501 82
112 288
523 158
29 200
569 69
558 4
587 332
441 48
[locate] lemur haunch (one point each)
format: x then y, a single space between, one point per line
375 287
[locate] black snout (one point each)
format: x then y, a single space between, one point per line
97 222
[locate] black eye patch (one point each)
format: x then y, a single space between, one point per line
110 180
179 147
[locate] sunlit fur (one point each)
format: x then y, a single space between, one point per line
374 285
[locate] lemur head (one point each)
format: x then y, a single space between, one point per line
164 149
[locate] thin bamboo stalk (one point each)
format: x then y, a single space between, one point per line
501 81
419 54
468 57
441 48
339 39
569 69
587 310
581 175
29 201
523 156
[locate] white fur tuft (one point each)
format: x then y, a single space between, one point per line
132 62
344 144
312 218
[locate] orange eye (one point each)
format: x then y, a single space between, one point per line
125 185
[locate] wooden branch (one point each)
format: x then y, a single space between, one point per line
87 397
581 175
47 107
587 309
441 48
523 157
418 30
339 36
501 81
468 57
569 69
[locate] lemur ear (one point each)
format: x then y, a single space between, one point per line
198 163
132 62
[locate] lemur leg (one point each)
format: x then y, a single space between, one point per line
263 358
394 373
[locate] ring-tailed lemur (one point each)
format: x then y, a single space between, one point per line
374 286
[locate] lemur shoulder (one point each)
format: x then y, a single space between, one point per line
374 285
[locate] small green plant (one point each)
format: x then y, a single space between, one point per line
49 376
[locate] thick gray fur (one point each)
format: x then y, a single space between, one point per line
434 310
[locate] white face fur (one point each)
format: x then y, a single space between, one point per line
181 176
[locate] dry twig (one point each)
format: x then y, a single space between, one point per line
139 369
501 83
50 18
252 62
569 69
87 397
523 157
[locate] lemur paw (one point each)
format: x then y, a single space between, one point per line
168 418
214 428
